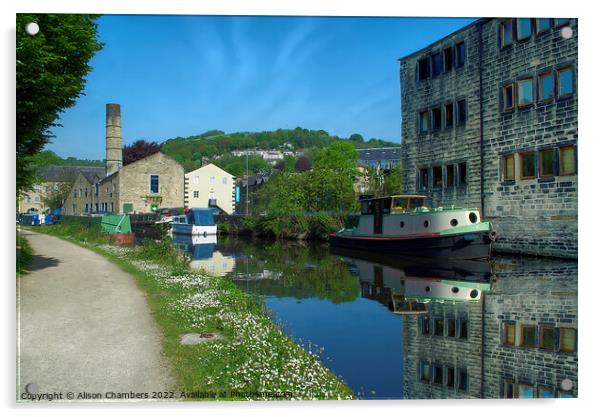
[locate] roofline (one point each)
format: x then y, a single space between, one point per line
479 21
386 147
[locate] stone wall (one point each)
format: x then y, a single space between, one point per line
537 215
524 292
535 293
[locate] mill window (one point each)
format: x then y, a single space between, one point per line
546 163
448 59
449 178
449 115
462 174
506 32
436 115
527 165
451 327
528 336
509 174
425 371
565 81
451 377
523 29
424 122
567 160
526 391
561 21
437 177
462 379
195 194
525 92
567 339
423 178
437 64
460 54
508 97
543 24
439 325
423 69
546 338
438 375
545 87
154 183
509 334
461 107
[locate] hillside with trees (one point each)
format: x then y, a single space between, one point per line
216 146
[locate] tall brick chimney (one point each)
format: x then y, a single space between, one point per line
114 152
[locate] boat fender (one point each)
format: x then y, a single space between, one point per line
492 235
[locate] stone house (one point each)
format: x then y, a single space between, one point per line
143 186
83 197
53 180
489 120
210 186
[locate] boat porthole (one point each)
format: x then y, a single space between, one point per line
472 217
401 224
426 223
428 289
455 290
474 294
454 222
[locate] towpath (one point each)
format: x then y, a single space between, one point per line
84 326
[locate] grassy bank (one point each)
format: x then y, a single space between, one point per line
253 359
24 253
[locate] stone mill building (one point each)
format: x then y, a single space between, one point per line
489 120
142 186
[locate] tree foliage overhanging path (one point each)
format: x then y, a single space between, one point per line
51 68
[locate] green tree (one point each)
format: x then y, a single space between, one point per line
51 67
357 138
341 157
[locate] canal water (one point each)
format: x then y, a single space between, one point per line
396 328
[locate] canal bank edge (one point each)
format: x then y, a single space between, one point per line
254 359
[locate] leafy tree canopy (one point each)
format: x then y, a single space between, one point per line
138 150
51 67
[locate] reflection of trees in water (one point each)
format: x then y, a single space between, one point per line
300 270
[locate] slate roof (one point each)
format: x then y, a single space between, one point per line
379 154
55 173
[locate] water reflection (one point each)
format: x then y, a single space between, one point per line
462 329
204 254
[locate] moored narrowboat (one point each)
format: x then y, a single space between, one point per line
196 221
403 225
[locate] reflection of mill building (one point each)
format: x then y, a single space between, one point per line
520 340
489 120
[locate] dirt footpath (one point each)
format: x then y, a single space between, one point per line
84 326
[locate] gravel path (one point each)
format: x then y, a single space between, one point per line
84 326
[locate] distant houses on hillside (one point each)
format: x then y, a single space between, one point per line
271 156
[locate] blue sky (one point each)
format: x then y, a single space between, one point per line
183 75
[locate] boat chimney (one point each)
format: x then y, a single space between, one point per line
114 152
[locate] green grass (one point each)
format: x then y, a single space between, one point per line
24 253
253 360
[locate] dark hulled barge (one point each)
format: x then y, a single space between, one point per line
403 225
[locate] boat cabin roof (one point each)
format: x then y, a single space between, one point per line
393 204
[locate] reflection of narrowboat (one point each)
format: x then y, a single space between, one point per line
403 225
204 254
196 221
408 288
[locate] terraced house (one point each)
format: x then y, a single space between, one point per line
489 120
